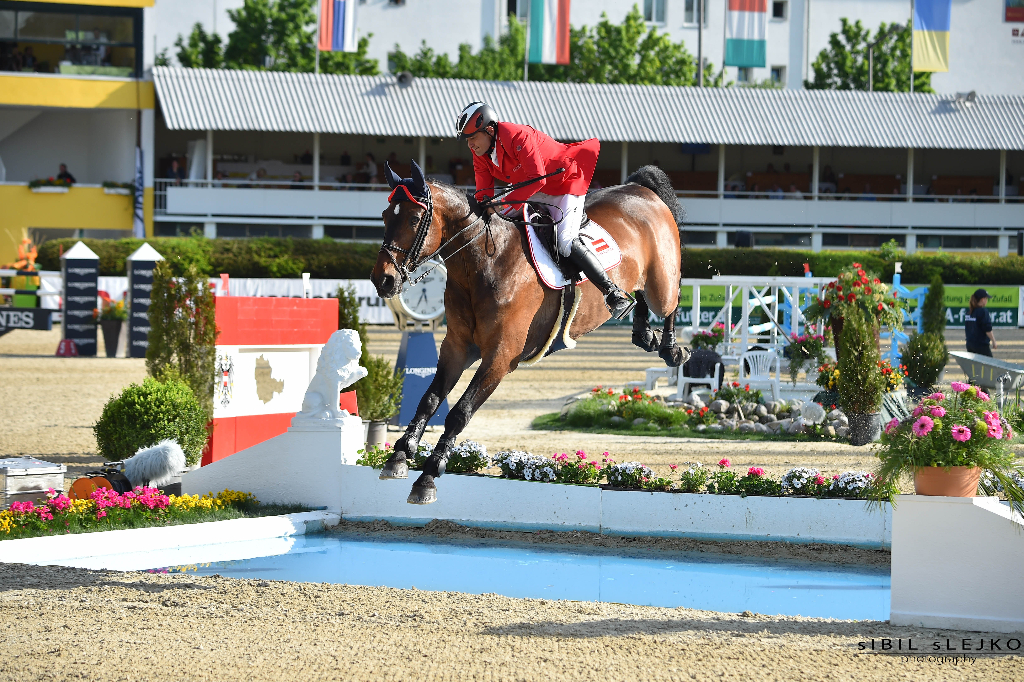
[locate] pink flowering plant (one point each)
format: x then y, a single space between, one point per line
961 429
723 480
578 469
106 509
757 483
708 338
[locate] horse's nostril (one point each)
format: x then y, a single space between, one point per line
387 282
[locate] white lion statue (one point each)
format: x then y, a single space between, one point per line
337 369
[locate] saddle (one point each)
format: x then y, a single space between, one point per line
544 226
556 271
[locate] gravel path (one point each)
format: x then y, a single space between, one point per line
63 623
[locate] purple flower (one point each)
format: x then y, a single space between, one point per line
961 433
923 426
959 386
891 426
938 411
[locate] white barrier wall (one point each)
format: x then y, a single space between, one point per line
957 564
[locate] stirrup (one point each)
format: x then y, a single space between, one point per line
622 308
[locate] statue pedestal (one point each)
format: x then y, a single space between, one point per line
301 466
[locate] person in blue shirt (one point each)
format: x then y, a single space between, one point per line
978 325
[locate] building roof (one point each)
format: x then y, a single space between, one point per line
206 99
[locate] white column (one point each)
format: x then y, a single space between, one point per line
423 154
210 230
209 156
318 232
721 171
911 243
815 241
910 174
1002 176
721 239
816 173
695 308
625 161
316 166
1004 245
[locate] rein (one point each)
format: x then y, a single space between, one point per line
412 259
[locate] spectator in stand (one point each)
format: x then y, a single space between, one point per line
176 173
755 192
794 192
958 197
346 158
370 169
219 178
307 158
776 192
28 59
298 182
828 175
257 176
978 325
828 194
930 193
64 176
771 169
867 195
972 196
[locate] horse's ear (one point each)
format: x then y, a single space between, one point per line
392 177
419 183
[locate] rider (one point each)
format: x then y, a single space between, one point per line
515 153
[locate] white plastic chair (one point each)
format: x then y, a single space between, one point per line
683 386
652 374
761 364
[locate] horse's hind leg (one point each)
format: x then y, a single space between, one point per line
670 351
644 337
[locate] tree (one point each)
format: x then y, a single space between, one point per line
202 50
279 35
843 65
627 53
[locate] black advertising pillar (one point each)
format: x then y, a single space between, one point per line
80 268
140 289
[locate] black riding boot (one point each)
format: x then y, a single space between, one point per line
618 301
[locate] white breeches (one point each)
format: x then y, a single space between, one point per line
567 212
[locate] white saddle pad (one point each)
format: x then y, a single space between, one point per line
595 236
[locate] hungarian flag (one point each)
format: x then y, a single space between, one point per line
931 34
338 26
746 26
549 31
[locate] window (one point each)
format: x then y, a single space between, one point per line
91 41
743 74
654 11
779 74
779 8
690 12
518 9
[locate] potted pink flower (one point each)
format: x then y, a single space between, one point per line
946 443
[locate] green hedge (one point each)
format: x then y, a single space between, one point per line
259 257
917 269
328 259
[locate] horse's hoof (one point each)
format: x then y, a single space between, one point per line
423 491
394 468
648 341
674 356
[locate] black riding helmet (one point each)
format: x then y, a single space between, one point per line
475 117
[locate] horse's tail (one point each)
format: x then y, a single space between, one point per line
654 179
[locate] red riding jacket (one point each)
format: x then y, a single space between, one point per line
524 153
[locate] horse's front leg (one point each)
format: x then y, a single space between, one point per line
452 362
492 370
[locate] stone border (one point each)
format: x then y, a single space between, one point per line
58 549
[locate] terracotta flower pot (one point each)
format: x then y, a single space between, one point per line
943 482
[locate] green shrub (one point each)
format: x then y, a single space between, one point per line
382 390
183 331
933 310
146 414
860 381
925 356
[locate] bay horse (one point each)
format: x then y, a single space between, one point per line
498 310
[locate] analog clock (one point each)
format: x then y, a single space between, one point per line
424 300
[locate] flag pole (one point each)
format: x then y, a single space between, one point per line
316 45
911 46
700 43
526 52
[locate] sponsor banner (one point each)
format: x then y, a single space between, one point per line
1003 304
25 318
140 287
80 287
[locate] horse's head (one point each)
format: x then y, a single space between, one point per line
409 237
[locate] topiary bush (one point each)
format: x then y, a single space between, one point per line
145 414
933 310
925 356
860 380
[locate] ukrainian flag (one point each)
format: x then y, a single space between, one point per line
931 34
